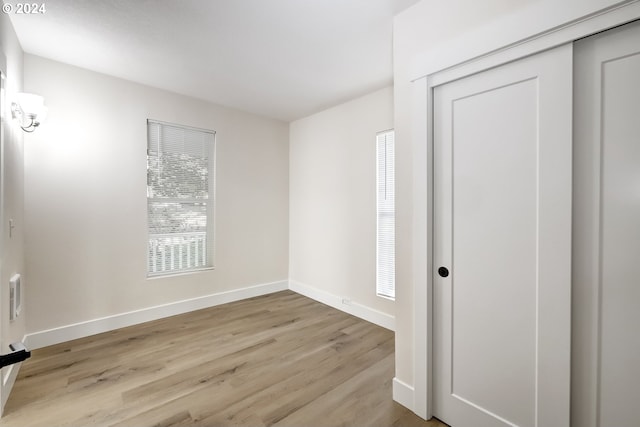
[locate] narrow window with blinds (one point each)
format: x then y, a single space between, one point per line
386 211
180 188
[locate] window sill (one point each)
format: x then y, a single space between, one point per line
386 297
178 273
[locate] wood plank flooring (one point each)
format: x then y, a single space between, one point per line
276 360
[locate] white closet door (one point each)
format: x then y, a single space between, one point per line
502 228
606 294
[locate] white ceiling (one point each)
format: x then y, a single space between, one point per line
283 59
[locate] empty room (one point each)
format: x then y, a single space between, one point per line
320 213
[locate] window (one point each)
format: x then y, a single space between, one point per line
180 188
386 210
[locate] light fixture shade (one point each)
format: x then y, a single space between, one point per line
30 104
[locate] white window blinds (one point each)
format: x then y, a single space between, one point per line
180 162
386 210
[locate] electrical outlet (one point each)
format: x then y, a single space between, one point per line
346 301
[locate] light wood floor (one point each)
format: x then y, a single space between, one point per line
281 360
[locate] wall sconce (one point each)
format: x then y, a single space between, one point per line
30 110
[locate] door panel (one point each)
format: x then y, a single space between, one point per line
502 200
4 391
607 229
481 322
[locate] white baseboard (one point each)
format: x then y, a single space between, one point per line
403 393
70 332
91 327
374 316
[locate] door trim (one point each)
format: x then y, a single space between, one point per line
6 376
500 41
435 68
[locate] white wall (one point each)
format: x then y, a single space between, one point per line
12 187
333 199
445 27
85 186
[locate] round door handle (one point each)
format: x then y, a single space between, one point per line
443 271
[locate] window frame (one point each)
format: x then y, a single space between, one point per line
380 289
210 203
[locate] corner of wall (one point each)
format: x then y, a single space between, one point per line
370 315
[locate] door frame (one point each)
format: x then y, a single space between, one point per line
5 374
460 58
